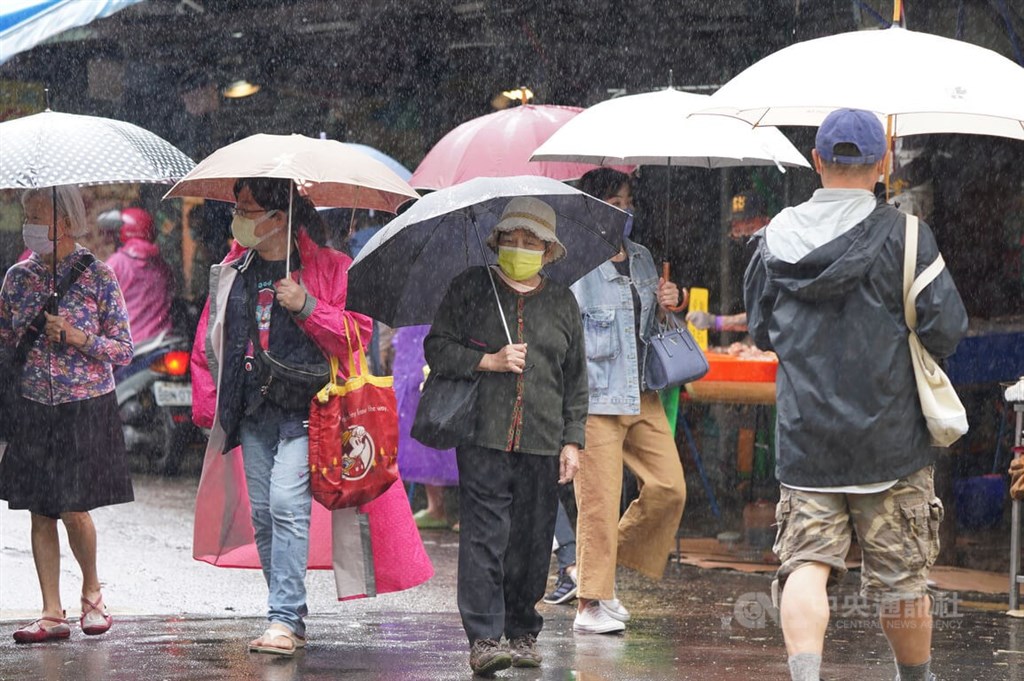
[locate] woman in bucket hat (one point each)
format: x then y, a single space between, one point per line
531 412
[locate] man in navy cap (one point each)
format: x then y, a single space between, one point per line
824 291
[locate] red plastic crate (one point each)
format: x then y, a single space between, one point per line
734 369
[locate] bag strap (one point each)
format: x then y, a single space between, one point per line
254 332
912 287
38 324
364 368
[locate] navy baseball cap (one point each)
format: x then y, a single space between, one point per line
857 127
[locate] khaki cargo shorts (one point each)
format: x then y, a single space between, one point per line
898 532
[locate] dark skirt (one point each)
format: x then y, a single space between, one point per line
69 457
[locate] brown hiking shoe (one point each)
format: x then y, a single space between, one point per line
487 656
524 651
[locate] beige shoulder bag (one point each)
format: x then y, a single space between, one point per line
945 414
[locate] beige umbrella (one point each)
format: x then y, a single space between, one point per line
329 173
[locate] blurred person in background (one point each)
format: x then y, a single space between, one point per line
144 277
434 469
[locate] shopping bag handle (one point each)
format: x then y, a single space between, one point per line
364 368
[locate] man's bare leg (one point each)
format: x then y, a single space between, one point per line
909 630
804 613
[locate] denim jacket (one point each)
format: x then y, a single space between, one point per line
606 304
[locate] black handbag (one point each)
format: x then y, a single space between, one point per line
673 358
445 416
289 386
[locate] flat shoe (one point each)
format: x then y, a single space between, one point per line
37 633
425 521
277 632
94 619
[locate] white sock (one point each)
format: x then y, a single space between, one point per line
805 667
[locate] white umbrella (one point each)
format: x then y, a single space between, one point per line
50 149
924 83
654 129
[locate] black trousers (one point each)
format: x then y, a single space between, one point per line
507 507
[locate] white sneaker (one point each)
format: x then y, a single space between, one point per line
615 609
593 619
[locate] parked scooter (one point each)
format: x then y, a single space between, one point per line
154 394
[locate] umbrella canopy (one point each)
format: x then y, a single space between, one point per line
498 145
401 275
26 23
329 173
396 167
946 86
50 149
653 129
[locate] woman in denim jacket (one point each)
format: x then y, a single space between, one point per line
619 302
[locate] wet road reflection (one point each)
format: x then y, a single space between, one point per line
178 620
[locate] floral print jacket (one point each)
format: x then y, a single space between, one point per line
94 305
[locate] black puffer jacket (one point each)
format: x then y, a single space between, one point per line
848 411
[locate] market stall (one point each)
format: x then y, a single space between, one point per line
739 374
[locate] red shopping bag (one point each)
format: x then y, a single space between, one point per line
353 436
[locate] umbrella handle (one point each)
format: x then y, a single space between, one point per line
685 291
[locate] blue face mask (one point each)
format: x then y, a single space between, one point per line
627 229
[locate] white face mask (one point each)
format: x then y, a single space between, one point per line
244 229
37 238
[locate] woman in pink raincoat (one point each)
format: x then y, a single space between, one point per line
145 278
260 490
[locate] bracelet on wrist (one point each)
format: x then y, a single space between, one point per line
718 322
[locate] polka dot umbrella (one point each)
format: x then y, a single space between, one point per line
50 148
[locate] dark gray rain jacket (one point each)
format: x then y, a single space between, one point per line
848 411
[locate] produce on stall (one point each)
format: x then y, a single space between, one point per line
739 373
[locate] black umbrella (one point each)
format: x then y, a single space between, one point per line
402 273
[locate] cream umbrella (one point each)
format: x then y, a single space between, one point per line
329 173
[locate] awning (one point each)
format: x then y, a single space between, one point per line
26 23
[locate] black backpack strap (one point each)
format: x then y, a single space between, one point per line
35 328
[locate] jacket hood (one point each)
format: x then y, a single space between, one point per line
834 268
140 249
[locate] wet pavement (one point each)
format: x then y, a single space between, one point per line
177 619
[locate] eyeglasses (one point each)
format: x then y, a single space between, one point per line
236 211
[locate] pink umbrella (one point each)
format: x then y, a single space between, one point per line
498 145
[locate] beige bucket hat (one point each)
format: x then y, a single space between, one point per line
533 215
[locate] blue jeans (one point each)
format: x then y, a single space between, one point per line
565 537
277 473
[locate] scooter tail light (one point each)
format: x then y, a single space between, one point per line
172 364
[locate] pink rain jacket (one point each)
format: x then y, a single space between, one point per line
373 549
146 281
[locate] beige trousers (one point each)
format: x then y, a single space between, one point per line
645 535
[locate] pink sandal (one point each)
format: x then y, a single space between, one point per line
96 613
37 633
